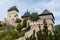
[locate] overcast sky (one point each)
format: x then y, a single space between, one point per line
31 5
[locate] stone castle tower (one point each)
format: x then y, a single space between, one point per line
12 15
49 19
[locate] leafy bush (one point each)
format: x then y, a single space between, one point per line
18 20
19 27
2 35
34 16
7 37
24 24
12 34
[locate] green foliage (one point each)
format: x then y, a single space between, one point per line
7 37
34 16
18 20
57 26
24 24
50 36
39 35
32 36
2 26
12 34
19 27
22 33
45 30
2 35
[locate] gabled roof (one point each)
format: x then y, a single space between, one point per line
13 8
27 14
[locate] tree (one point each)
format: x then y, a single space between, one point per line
32 37
18 20
19 27
50 36
7 37
27 38
39 34
45 30
57 34
24 24
2 26
34 16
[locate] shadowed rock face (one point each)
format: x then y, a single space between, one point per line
13 8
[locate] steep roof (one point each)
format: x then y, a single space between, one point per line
46 12
27 14
13 8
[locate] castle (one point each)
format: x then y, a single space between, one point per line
44 15
13 15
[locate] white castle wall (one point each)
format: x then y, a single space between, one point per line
11 17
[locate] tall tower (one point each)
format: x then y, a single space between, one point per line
49 19
12 15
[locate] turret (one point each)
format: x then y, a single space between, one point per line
12 15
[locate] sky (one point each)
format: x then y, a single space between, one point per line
32 6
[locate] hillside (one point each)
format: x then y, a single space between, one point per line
57 26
